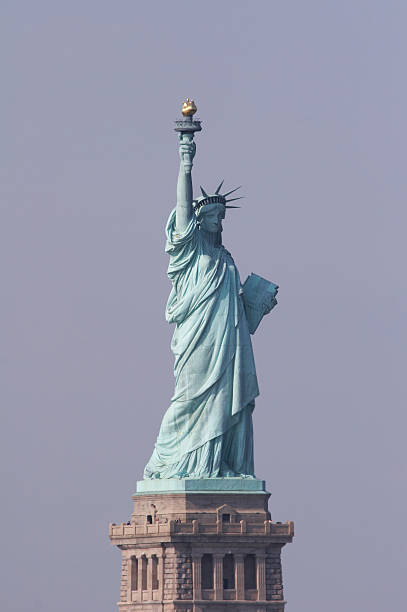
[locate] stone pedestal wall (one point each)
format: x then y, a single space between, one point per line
169 535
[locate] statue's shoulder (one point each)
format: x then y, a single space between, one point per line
182 243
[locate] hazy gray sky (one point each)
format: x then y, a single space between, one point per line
304 103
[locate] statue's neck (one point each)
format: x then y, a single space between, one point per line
212 238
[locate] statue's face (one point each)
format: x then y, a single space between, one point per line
211 219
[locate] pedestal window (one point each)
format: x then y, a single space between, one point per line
207 571
154 573
134 574
250 581
228 572
144 573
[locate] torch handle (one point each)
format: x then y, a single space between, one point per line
187 138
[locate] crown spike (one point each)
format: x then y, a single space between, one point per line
229 192
232 206
205 195
233 199
220 186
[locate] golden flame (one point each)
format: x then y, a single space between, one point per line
188 108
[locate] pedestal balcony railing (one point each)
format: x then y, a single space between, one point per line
197 528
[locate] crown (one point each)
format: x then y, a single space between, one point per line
216 198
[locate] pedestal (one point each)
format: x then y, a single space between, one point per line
201 546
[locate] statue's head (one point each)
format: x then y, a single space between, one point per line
210 217
210 209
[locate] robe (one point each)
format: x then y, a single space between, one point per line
207 429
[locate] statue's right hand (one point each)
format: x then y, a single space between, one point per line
187 148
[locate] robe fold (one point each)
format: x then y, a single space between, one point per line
207 429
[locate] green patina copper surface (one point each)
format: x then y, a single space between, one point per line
200 485
207 430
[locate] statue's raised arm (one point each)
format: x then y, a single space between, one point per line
184 209
186 129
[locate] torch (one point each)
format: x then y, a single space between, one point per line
187 128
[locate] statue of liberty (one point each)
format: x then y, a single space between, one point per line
207 430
